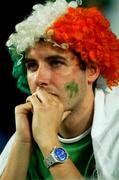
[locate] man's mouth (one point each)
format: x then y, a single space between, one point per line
52 93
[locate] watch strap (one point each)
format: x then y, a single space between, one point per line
49 161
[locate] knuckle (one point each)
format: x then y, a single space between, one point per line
21 108
18 108
28 99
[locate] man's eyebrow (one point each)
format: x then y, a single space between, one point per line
47 58
53 57
29 59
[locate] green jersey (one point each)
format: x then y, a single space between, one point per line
81 153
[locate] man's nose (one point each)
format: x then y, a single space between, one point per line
43 75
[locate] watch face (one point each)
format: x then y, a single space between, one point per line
60 154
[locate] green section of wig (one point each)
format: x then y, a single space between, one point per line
19 70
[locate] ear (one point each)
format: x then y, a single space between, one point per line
92 74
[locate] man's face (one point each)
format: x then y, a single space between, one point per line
57 71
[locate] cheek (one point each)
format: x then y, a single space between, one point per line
72 88
31 82
66 85
61 80
75 83
73 74
66 75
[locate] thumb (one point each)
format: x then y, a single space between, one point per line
65 114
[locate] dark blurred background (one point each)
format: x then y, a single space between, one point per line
12 13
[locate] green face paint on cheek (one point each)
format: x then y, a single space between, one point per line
72 88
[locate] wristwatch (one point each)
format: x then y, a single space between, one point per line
57 155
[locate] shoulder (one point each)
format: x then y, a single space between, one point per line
109 98
5 154
105 133
112 102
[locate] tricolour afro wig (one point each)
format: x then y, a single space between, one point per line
83 30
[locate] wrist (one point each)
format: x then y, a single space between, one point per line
23 145
47 144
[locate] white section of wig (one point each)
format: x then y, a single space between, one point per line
34 26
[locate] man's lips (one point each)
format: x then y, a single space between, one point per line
52 93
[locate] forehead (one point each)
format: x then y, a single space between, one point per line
45 49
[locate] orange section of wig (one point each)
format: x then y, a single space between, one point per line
87 31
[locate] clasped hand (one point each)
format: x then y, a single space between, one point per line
47 115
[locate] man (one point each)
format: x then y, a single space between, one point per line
66 57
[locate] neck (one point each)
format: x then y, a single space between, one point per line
79 120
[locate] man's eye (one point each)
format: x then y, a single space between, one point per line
56 63
31 66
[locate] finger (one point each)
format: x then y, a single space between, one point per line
65 114
23 108
44 96
34 100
